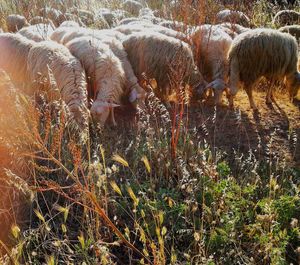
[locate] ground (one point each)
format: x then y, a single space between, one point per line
272 130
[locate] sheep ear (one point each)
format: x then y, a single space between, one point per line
133 96
153 83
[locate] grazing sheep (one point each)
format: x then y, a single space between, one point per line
70 23
233 29
294 30
168 60
135 21
132 7
63 77
41 20
72 34
14 52
263 52
286 17
109 16
148 27
128 20
175 25
105 73
211 45
59 33
85 16
231 16
111 39
75 33
100 22
136 93
72 17
15 23
120 14
38 32
53 14
148 14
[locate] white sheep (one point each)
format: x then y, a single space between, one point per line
87 17
59 33
149 27
100 22
111 38
63 78
175 25
14 52
136 93
211 45
233 16
53 14
294 30
168 60
135 21
70 23
41 20
15 23
109 16
92 33
148 14
38 32
72 17
120 14
132 7
286 17
105 73
232 29
263 52
129 20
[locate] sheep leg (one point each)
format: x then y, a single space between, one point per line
218 96
270 97
248 89
234 80
113 117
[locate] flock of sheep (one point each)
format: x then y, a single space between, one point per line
93 71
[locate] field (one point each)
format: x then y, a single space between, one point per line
193 184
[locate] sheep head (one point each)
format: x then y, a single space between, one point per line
100 111
218 86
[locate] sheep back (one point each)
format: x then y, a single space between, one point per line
161 57
14 52
38 32
63 72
